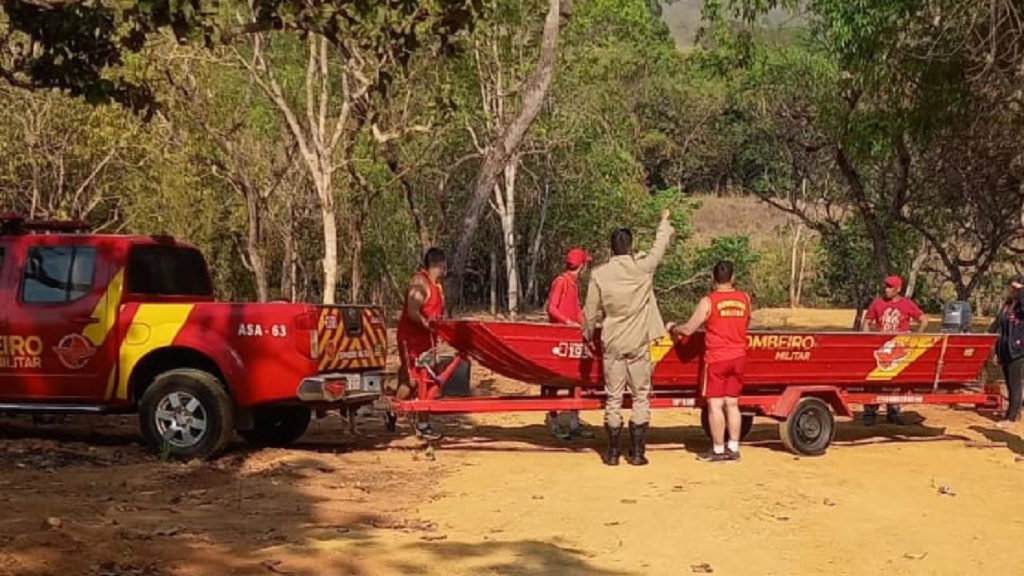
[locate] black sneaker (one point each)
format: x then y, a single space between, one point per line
427 434
734 455
712 456
895 418
869 418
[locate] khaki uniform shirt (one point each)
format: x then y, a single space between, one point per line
620 297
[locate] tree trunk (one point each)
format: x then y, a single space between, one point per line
330 235
801 274
795 269
915 268
288 265
859 306
417 218
876 233
534 254
505 199
356 286
494 283
252 245
508 141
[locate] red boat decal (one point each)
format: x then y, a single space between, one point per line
899 353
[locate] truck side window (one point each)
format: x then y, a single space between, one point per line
58 274
156 270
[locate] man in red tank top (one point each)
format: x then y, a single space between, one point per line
424 302
725 314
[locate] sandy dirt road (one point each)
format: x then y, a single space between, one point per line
502 497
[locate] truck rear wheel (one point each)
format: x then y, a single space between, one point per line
186 414
277 425
746 423
809 429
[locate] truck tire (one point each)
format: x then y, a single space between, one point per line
277 425
746 423
186 414
809 429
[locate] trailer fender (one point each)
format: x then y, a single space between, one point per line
790 396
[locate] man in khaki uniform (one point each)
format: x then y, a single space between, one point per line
620 300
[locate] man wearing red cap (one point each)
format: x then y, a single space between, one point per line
891 313
564 308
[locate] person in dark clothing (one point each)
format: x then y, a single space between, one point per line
1010 348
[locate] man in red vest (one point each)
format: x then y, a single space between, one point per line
725 314
564 308
423 302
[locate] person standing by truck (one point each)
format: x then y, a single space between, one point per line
725 313
891 313
1010 349
620 299
564 308
424 301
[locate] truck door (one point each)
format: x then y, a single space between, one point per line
57 346
8 388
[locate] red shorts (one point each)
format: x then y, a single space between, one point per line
725 378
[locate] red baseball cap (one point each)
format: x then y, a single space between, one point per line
576 258
894 282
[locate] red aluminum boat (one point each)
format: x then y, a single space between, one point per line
555 355
802 379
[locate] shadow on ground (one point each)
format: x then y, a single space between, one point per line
83 497
463 435
1013 442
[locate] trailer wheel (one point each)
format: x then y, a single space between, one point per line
746 423
809 429
277 425
186 414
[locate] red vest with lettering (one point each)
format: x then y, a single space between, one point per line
411 333
725 335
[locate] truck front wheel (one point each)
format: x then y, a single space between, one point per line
277 425
186 414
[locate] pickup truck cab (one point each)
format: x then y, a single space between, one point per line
118 323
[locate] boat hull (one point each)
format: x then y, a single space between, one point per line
555 355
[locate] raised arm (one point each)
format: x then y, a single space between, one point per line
592 312
649 262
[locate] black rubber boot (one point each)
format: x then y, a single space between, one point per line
637 446
611 455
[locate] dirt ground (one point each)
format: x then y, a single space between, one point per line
500 496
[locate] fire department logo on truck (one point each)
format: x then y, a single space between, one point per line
74 351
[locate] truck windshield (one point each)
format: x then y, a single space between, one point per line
167 271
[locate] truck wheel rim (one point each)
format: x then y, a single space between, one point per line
181 419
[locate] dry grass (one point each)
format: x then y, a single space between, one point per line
726 216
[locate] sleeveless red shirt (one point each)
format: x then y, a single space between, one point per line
413 335
725 335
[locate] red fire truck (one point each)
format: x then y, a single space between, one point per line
118 323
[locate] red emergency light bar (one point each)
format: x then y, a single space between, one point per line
11 223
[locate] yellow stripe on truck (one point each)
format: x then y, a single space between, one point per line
105 313
154 326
